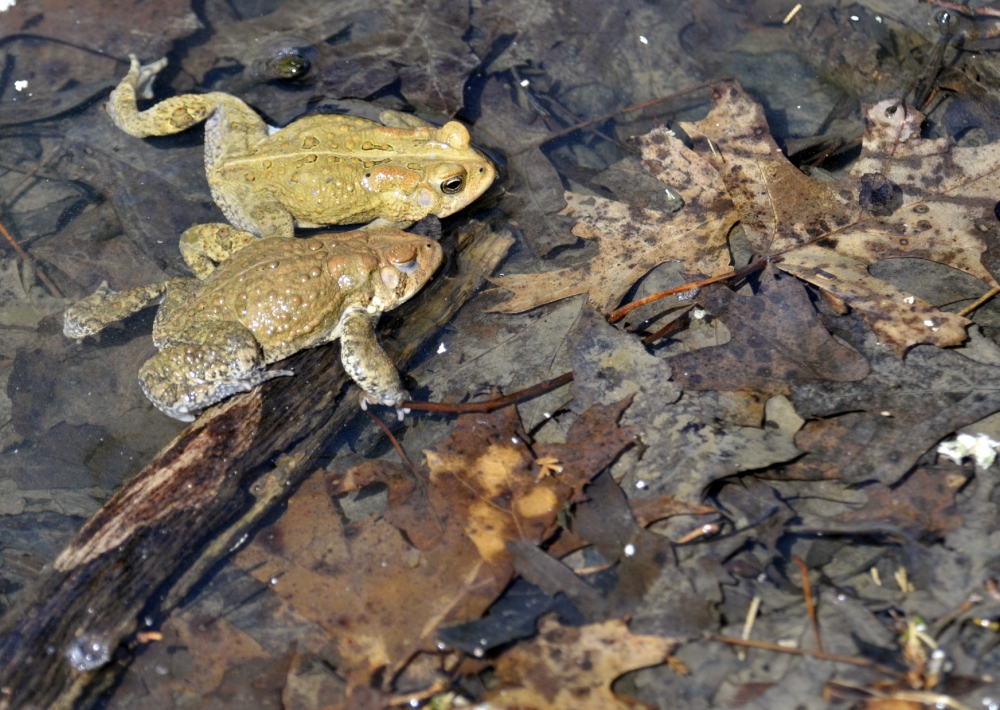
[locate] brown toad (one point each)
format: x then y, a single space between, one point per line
318 170
268 301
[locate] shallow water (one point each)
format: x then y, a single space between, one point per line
81 202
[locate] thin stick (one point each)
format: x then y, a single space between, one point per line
605 117
13 243
491 404
24 255
626 309
767 645
399 449
53 289
668 328
807 593
748 625
980 301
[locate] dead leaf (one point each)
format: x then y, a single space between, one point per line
631 241
922 504
485 473
534 197
825 233
145 29
820 230
480 347
377 596
364 48
381 587
910 404
776 341
691 439
572 668
57 76
562 43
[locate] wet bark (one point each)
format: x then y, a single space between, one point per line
198 500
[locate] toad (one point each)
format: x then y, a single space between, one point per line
319 170
270 300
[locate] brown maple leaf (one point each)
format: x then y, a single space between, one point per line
905 197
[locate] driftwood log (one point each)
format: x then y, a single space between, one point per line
68 639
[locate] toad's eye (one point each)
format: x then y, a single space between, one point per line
452 185
408 267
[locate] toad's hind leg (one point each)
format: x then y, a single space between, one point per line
185 378
248 210
204 246
177 113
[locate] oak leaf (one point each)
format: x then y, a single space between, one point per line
905 197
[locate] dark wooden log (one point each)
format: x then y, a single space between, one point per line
199 499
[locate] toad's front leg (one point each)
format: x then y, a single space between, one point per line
204 246
103 307
368 364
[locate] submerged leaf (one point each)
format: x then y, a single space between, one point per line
776 342
905 197
572 668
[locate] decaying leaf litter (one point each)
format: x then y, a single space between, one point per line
799 420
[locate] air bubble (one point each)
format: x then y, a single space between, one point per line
88 652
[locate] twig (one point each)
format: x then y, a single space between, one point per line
735 273
491 404
668 328
807 593
24 255
53 289
605 117
395 443
980 301
17 247
837 658
748 623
